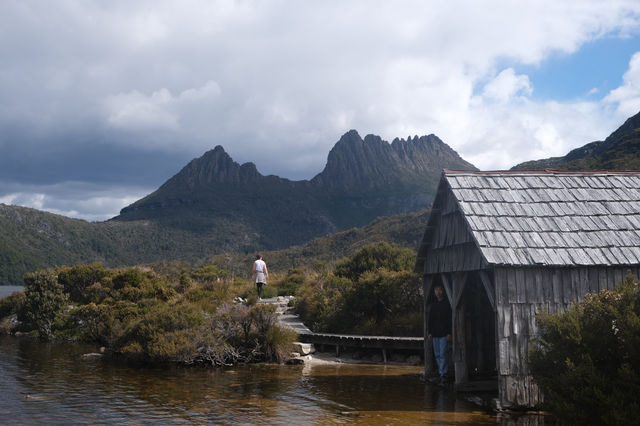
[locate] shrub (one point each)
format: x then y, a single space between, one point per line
11 308
131 277
185 282
163 333
373 257
291 282
138 314
269 291
384 303
587 359
320 301
12 304
279 343
209 273
76 279
89 321
44 300
371 292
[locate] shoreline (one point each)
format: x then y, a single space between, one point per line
324 358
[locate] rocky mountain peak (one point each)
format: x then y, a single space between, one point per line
214 167
372 163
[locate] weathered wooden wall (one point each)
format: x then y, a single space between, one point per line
520 294
452 247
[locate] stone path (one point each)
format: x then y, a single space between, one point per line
287 317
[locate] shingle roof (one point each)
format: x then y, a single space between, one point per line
551 217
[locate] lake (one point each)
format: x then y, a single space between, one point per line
6 290
51 383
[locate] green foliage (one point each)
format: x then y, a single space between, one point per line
587 360
76 279
138 314
32 239
163 333
319 301
384 303
292 281
279 343
11 308
269 291
373 257
12 304
372 292
44 301
184 282
209 273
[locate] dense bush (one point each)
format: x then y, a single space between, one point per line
209 273
384 303
587 360
319 302
76 279
11 308
12 304
45 301
291 282
376 256
372 292
137 313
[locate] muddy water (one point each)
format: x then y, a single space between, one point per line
52 384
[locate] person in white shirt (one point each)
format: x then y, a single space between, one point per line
259 274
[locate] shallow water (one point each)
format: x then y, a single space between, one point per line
52 384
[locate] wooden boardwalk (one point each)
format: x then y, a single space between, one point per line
340 341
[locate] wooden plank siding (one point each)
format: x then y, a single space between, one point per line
547 290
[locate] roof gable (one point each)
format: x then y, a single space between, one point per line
549 218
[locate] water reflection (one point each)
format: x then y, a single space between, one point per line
50 383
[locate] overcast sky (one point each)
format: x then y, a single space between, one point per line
103 101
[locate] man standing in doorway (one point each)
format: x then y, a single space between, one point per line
439 330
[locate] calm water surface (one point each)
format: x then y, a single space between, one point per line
6 290
52 384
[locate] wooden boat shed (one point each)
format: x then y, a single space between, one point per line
506 245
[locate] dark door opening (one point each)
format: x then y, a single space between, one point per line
480 331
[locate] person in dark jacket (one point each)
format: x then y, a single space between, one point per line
439 330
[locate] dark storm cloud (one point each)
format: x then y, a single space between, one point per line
93 161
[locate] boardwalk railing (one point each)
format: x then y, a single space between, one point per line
385 343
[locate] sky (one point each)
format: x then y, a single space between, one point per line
102 101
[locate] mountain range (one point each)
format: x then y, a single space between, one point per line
219 210
215 205
363 179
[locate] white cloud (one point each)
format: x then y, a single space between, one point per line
159 111
137 111
499 135
506 86
278 82
626 98
74 199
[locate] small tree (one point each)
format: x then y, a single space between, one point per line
76 279
587 360
373 257
44 300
